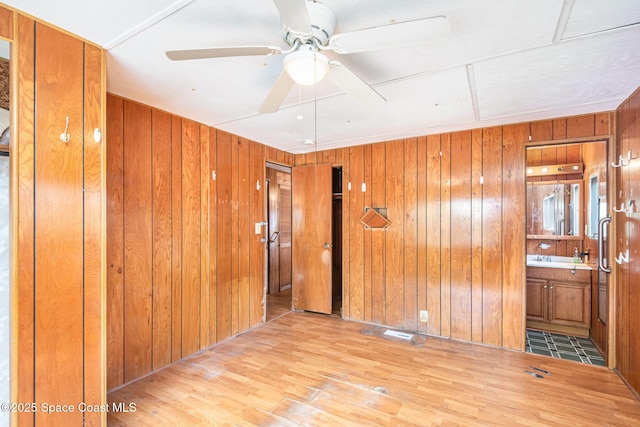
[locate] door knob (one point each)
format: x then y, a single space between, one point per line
327 245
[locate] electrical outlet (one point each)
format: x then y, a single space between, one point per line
424 316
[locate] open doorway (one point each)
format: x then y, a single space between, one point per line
278 301
336 234
567 289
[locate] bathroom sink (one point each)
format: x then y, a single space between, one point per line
556 262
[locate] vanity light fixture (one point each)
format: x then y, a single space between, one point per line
562 169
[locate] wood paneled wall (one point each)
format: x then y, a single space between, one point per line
185 268
57 209
456 243
627 286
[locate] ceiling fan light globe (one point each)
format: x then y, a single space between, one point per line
305 66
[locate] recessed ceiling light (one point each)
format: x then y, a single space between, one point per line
309 141
299 117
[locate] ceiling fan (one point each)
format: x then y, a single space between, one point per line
307 27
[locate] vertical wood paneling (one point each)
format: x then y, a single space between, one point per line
138 242
477 194
176 238
191 277
410 238
378 248
581 126
205 285
115 243
513 239
346 236
257 249
461 291
623 313
366 246
394 265
94 320
422 229
6 23
59 234
243 233
25 153
492 228
223 182
162 247
445 236
235 277
213 235
356 254
433 234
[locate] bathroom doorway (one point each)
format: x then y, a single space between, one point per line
567 287
278 287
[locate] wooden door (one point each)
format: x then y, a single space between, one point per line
311 238
537 299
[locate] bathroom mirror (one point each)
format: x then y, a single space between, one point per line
554 210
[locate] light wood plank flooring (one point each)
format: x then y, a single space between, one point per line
308 369
278 304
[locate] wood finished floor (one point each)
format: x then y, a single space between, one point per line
278 303
309 369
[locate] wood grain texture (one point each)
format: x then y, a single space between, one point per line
223 182
477 278
378 248
138 240
94 291
433 234
162 242
356 239
212 167
205 283
24 273
410 238
513 238
176 238
115 242
366 380
311 228
461 267
445 235
235 244
492 229
422 245
257 249
191 277
394 261
6 24
59 234
244 189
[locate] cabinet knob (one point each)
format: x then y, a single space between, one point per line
550 287
545 286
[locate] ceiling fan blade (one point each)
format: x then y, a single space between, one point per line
346 80
278 93
411 33
222 52
294 15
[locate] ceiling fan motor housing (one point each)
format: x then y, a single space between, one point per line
323 23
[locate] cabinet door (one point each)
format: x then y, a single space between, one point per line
537 300
570 304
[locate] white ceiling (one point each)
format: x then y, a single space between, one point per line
504 61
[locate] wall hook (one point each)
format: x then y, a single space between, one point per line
64 136
623 257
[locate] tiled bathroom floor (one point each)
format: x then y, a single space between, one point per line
564 347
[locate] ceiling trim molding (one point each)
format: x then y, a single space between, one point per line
137 29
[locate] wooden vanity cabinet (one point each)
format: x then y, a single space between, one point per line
559 300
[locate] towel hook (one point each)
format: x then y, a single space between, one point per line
64 136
